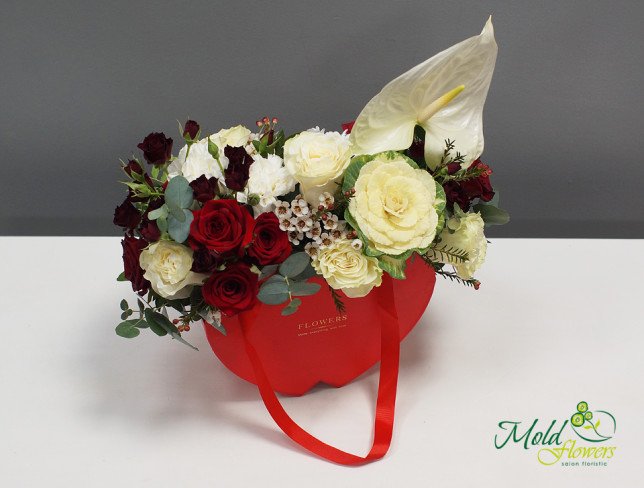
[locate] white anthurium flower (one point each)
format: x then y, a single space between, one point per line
445 95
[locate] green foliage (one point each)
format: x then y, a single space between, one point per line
492 215
295 264
292 307
448 254
337 300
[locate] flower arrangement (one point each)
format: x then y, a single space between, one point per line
240 217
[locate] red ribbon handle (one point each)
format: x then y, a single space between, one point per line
385 404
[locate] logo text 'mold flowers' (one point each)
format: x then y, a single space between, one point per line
584 446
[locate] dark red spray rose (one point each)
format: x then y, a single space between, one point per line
270 244
150 231
190 130
205 260
232 290
348 126
223 226
479 187
132 248
464 192
133 166
126 215
203 188
239 162
156 147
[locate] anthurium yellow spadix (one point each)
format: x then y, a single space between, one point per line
445 95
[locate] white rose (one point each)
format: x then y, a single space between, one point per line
346 268
167 268
199 162
464 232
317 160
268 178
394 205
235 137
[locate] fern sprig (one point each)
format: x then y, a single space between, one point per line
449 254
339 304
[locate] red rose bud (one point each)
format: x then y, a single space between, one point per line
222 226
126 215
190 130
203 188
232 290
132 248
156 147
239 161
133 166
348 126
270 244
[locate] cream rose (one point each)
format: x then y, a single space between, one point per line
167 268
235 136
463 231
317 160
394 205
346 268
268 178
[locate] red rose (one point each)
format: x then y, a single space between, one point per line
270 244
463 193
222 226
126 215
232 290
156 147
132 271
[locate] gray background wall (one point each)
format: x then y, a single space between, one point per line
81 83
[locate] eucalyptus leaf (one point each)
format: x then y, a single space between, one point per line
124 305
162 224
492 215
121 277
277 278
294 264
273 293
302 288
309 272
178 192
159 324
127 329
268 270
292 307
176 212
179 231
158 213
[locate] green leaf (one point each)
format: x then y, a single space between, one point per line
268 271
159 323
124 305
294 264
178 193
292 307
309 272
395 267
273 293
441 200
218 326
158 213
276 278
302 288
127 330
176 212
121 277
492 215
179 231
587 427
177 337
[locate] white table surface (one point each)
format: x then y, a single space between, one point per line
555 322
